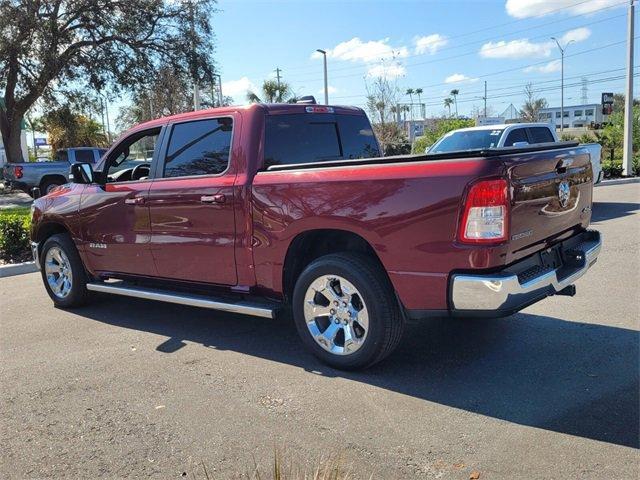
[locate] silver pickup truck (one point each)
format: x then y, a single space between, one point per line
509 135
48 175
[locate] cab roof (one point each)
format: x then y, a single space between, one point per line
268 108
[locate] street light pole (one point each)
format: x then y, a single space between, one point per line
326 82
627 146
562 50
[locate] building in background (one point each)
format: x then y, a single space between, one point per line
575 116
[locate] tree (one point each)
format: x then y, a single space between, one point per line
455 92
418 92
447 104
68 129
532 105
273 92
50 49
383 97
612 135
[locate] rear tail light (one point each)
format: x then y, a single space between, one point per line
486 213
17 172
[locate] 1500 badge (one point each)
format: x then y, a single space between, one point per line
520 235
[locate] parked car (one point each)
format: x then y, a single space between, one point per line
268 207
509 135
49 175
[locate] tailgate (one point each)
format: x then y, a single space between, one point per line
551 197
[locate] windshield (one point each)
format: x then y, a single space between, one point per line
467 140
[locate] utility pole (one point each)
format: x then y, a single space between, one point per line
326 82
562 50
627 146
106 111
485 99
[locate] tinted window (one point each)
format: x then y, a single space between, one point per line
540 135
85 156
62 156
101 152
307 137
467 140
199 148
356 135
517 135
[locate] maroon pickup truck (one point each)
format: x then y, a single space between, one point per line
254 209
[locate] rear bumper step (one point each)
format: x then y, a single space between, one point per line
526 282
244 307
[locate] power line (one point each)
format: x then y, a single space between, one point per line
466 54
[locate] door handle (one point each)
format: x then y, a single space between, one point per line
134 201
219 198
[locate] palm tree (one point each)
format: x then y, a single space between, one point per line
447 104
273 92
410 92
455 93
419 92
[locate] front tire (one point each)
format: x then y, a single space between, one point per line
63 273
346 311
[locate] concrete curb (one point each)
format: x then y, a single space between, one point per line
17 269
618 181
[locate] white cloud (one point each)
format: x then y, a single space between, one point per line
552 66
430 43
392 71
575 35
238 88
330 88
356 50
459 78
539 8
523 48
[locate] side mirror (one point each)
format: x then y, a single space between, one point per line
35 193
81 173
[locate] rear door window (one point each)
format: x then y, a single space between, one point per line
201 147
84 156
540 135
517 135
307 138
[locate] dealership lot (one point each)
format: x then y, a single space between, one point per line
129 388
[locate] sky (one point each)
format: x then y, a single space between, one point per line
434 45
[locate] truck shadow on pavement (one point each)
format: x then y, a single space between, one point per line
569 377
603 211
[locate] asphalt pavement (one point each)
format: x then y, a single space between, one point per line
133 388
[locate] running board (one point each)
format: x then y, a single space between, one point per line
243 307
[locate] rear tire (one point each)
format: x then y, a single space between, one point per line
49 185
346 311
63 273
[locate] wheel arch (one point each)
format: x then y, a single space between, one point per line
312 244
52 176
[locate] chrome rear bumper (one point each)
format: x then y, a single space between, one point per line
509 291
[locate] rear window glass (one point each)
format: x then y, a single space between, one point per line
540 135
308 138
85 156
62 156
467 140
517 135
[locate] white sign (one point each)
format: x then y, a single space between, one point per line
481 121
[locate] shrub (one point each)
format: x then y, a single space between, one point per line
613 168
14 237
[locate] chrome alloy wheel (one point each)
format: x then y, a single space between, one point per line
58 271
336 315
